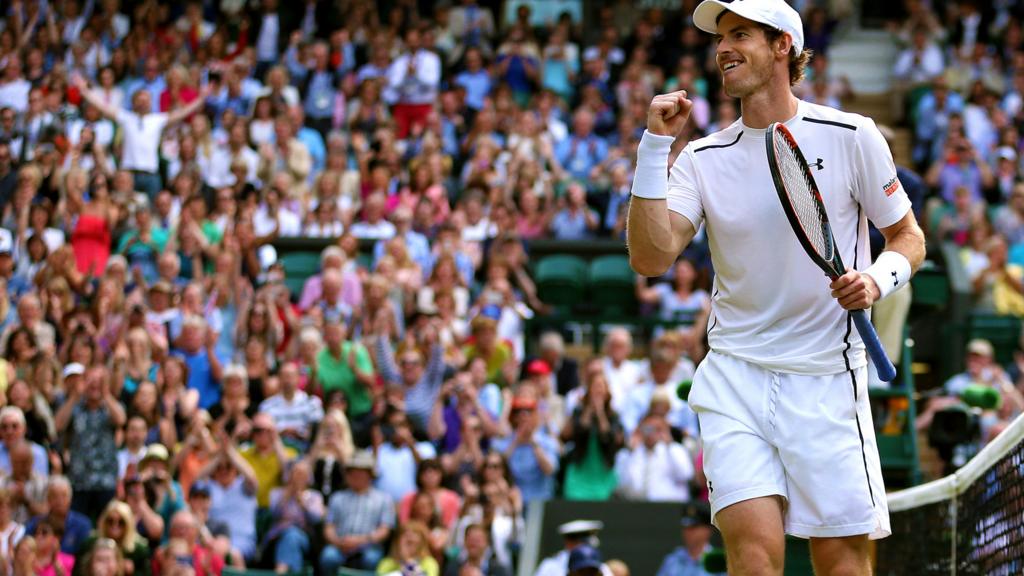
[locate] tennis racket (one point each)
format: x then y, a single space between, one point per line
805 210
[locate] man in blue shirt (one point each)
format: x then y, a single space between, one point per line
688 559
204 369
531 453
475 79
76 526
582 150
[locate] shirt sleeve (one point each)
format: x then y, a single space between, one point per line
877 188
683 194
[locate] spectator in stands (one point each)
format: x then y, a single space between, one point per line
358 522
399 456
267 456
420 377
655 467
344 365
117 523
476 553
999 285
596 436
75 526
96 416
12 433
10 529
410 552
50 558
666 370
688 559
413 81
142 128
532 454
197 344
185 532
233 496
330 451
295 413
918 64
26 487
296 510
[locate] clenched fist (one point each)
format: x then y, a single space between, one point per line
668 113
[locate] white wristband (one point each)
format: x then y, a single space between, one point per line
890 272
650 181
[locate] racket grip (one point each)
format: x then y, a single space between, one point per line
886 371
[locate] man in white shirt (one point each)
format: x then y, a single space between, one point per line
782 396
294 412
622 373
217 172
659 381
654 468
13 88
373 224
413 82
141 129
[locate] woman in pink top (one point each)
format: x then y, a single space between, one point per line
50 560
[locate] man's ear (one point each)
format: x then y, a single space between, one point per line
784 44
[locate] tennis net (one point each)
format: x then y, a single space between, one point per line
971 522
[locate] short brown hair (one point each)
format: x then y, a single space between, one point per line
797 62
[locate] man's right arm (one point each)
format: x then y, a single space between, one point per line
655 235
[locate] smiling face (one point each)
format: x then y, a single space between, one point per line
745 56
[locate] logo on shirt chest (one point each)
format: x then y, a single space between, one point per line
820 165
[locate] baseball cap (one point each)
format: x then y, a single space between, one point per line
200 488
774 13
584 556
74 369
538 367
1006 153
980 347
155 452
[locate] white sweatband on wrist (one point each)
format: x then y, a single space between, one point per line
891 271
650 181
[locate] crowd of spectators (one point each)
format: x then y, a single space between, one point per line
172 405
959 79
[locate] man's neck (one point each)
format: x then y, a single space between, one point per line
775 104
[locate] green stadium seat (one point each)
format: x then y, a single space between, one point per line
298 266
613 285
561 281
930 286
1002 331
365 261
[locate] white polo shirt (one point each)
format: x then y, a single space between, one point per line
771 304
141 149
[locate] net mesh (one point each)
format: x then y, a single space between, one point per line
800 189
977 530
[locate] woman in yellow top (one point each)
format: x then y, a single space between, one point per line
410 553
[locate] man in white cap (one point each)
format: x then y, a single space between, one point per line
575 534
782 395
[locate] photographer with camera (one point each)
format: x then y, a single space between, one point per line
153 495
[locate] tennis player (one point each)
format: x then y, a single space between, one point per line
782 396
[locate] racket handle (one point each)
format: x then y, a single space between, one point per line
886 371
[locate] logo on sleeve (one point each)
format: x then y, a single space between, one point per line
891 186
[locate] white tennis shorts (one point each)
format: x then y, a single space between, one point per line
808 439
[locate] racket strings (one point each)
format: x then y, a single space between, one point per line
800 189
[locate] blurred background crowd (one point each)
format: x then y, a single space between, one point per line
171 404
